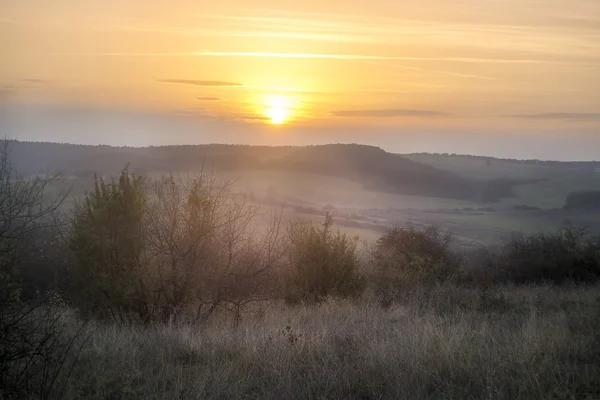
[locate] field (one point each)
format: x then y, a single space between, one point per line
536 205
448 343
368 212
305 313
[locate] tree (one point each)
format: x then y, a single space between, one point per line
171 248
107 244
209 248
404 257
323 263
33 343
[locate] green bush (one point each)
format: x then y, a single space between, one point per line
323 263
569 255
405 257
107 246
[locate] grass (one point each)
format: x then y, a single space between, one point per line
512 343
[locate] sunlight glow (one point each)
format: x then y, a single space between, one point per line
278 108
278 115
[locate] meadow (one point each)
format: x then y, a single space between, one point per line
238 284
536 342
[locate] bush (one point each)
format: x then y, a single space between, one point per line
570 254
107 246
34 343
148 250
408 256
323 263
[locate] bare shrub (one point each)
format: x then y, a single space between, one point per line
208 246
34 345
172 248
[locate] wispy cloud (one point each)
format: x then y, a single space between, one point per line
427 70
328 56
558 116
388 113
253 118
200 83
208 98
35 81
360 57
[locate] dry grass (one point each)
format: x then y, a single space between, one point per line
514 343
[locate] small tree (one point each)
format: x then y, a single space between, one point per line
323 263
207 247
170 248
407 256
106 241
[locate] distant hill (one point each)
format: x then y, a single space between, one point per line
582 165
35 157
370 166
377 169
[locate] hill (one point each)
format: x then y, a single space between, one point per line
372 167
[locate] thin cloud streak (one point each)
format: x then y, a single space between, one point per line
253 118
200 83
34 80
431 71
558 116
388 113
208 98
327 56
362 57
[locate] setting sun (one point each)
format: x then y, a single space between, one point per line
278 115
278 109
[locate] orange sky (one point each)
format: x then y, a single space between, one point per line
525 65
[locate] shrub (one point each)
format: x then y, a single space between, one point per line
148 250
570 254
34 344
407 256
323 263
107 246
208 247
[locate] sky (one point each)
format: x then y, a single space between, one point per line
511 78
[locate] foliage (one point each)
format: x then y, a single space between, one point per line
570 254
323 263
34 344
167 248
107 247
408 256
208 247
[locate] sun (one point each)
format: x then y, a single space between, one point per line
277 109
278 115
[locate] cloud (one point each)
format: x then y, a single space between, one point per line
388 113
200 83
208 98
558 116
253 118
34 80
324 56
